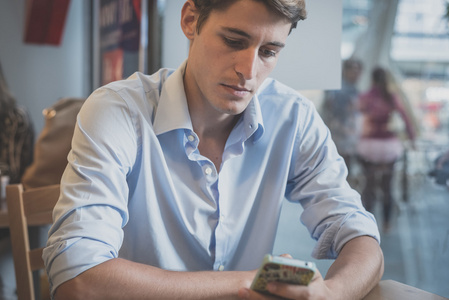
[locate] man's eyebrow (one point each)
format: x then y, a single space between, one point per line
248 36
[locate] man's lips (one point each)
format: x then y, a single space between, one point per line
237 88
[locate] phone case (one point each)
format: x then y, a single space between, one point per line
277 268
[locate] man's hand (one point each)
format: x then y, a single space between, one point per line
354 273
315 290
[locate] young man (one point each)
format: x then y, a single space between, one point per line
177 176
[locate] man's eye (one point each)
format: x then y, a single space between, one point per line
233 43
268 52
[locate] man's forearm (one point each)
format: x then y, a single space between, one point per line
122 279
358 268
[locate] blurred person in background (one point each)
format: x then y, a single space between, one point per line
16 153
339 112
379 146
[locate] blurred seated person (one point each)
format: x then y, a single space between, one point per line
16 153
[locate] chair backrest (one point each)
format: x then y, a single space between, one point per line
31 207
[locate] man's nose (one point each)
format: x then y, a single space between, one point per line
246 63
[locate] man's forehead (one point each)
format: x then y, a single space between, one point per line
247 35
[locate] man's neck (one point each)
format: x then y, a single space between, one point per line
212 126
213 131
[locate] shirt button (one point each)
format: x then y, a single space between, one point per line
191 138
222 217
208 171
221 268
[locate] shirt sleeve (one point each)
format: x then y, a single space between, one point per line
93 186
333 211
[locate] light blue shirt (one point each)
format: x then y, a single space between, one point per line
137 187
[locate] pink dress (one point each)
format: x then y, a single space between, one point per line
378 143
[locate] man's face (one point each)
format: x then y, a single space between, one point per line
232 55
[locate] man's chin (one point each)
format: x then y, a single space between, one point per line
236 109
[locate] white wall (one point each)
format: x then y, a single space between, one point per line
174 43
311 59
39 75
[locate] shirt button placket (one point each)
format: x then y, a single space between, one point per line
208 170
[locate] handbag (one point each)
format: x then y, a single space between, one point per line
53 144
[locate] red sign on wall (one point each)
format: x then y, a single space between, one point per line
119 39
45 21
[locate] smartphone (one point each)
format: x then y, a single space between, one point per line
282 269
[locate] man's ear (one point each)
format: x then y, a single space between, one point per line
189 17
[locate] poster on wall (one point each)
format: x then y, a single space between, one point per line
120 39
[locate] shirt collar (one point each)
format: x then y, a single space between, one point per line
252 119
173 103
172 110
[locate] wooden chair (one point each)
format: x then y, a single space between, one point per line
32 207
